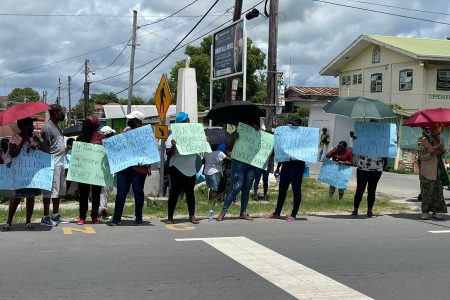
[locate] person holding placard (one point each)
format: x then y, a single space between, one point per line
324 142
182 172
54 141
27 140
342 155
213 170
106 190
133 177
89 135
291 174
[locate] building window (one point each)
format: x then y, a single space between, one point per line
406 80
355 79
376 85
346 80
359 78
376 54
443 80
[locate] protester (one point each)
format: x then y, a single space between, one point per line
264 175
242 176
324 142
5 158
430 172
54 140
368 173
89 135
182 172
213 170
106 190
134 177
342 155
26 140
291 174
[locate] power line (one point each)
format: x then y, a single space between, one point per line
169 16
174 49
96 15
382 12
403 8
115 59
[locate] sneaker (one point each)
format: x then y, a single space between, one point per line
437 216
47 221
57 218
96 221
81 222
424 216
114 223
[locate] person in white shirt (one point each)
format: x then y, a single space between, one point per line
213 170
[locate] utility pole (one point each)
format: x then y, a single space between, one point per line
236 16
86 89
58 100
133 50
70 101
44 96
272 63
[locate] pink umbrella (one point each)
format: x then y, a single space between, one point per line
433 117
21 111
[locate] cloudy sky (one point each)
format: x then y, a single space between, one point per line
41 41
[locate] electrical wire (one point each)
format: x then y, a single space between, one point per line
403 8
115 59
169 16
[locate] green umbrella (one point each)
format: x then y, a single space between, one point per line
359 108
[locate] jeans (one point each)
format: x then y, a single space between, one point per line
180 182
125 179
363 179
84 199
265 177
291 174
242 175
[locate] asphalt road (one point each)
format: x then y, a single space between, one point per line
388 257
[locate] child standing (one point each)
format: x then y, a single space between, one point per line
213 170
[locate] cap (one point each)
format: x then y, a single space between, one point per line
135 115
295 121
181 117
107 130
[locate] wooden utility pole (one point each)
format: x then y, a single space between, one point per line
86 89
58 100
70 101
236 16
133 50
272 64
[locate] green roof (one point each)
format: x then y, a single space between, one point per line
418 46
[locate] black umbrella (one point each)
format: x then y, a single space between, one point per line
233 112
73 130
216 136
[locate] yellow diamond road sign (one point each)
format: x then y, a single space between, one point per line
163 98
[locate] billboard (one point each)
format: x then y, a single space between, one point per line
229 49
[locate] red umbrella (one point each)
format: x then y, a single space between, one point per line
21 111
432 117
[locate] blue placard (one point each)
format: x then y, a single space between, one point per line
335 174
33 169
375 139
6 178
297 142
137 146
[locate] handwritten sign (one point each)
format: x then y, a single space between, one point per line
296 142
33 169
335 174
6 178
137 146
253 147
190 138
410 137
375 139
89 164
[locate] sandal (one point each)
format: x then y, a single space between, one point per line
6 227
272 216
290 219
28 226
194 220
170 221
220 217
245 217
354 214
370 214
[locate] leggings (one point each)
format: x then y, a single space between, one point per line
363 179
180 182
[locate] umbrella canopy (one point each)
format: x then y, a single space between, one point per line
73 130
9 130
359 108
216 136
233 112
21 111
432 117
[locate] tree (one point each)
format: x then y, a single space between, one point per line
24 95
135 101
104 98
200 60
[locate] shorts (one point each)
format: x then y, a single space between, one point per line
58 186
213 181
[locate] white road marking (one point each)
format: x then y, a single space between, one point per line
439 231
294 278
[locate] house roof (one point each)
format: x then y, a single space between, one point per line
418 48
315 91
4 98
119 111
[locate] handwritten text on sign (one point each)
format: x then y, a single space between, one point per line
6 178
296 142
375 139
137 146
335 174
88 164
190 138
253 147
33 169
